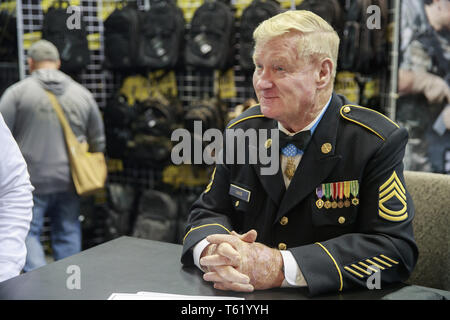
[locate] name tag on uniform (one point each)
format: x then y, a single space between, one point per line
239 192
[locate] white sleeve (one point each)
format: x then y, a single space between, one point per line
293 276
16 203
197 252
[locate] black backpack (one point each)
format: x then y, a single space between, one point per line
329 10
156 219
362 49
8 37
72 44
252 16
121 32
161 35
211 37
118 116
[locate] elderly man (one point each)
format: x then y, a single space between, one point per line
337 209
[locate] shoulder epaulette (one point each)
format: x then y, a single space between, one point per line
251 113
370 119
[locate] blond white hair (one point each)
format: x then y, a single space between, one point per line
316 37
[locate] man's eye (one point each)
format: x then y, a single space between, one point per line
278 68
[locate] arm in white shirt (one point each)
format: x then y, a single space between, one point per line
293 276
16 203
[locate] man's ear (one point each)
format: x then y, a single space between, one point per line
325 72
58 64
30 64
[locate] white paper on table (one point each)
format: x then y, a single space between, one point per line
146 295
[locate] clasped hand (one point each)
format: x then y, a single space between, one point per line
236 262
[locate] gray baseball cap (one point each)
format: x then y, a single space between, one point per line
43 50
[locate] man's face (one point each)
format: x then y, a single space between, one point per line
285 83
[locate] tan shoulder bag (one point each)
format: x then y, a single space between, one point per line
88 169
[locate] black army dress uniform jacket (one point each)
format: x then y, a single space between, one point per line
345 214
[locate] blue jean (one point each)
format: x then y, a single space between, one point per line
63 209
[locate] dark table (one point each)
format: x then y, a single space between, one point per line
129 265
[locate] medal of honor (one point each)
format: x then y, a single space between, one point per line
319 193
290 168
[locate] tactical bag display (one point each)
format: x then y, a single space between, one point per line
209 111
120 205
72 43
363 48
329 10
252 16
156 217
161 35
211 36
8 37
152 127
117 116
121 32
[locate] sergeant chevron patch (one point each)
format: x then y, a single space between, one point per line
392 200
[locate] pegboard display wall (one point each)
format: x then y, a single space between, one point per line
191 83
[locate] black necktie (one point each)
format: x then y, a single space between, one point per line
300 140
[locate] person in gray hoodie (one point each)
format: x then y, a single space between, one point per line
27 111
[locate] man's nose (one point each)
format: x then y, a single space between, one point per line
264 81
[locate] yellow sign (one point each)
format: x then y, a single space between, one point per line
227 87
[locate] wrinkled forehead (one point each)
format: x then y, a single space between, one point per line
284 46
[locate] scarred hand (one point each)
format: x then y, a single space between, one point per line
236 262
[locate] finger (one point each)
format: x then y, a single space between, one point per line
212 276
230 274
226 250
233 286
219 238
249 236
215 260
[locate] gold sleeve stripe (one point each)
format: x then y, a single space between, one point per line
395 178
367 266
391 218
388 259
202 226
383 262
354 272
335 264
375 264
246 118
361 269
208 187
